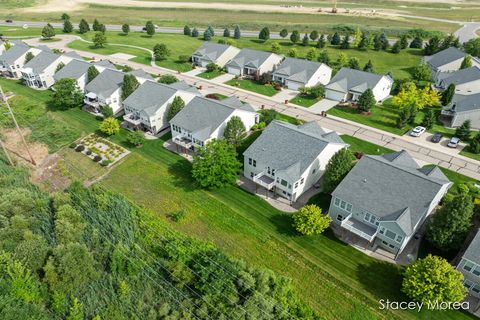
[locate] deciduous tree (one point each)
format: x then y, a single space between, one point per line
472 47
311 54
264 34
234 131
283 33
66 94
467 62
126 28
99 40
92 73
48 32
150 28
161 51
275 47
422 73
321 42
309 220
109 126
337 168
136 138
323 57
417 43
295 36
167 79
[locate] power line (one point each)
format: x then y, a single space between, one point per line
6 153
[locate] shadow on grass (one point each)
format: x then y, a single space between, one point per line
283 224
382 279
180 172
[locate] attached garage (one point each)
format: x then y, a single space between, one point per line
293 85
234 71
334 95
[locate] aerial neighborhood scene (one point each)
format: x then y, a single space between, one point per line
250 159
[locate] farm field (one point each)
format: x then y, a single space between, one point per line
332 277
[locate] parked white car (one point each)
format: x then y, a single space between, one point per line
453 143
417 131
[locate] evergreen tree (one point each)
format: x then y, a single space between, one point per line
83 26
428 119
368 66
236 33
345 42
175 107
384 41
467 62
342 59
96 25
305 40
67 26
92 73
295 36
362 45
417 43
29 56
126 28
264 34
404 42
187 31
448 94
396 47
226 33
323 57
150 28
337 168
207 36
314 35
463 132
283 33
403 117
130 84
357 37
366 101
48 32
354 63
195 33
59 67
311 54
377 43
65 17
211 30
432 46
335 39
321 42
474 144
275 48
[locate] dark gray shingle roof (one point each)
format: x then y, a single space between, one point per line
392 187
464 103
73 70
350 79
459 77
211 50
41 61
106 83
299 70
149 97
444 57
141 74
473 251
202 116
290 149
15 52
182 85
250 58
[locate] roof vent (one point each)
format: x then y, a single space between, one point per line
364 180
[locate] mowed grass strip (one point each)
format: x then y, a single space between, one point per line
254 86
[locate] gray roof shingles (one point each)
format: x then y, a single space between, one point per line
202 116
250 58
149 97
15 52
106 83
211 51
299 70
73 70
444 57
459 77
473 251
376 182
350 79
41 61
290 149
464 103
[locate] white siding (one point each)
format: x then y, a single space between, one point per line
322 76
227 56
270 64
382 89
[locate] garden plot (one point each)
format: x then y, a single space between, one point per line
100 150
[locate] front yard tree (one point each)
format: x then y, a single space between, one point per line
314 35
264 34
432 46
337 168
96 25
234 131
126 28
215 165
411 96
321 42
110 126
417 43
29 56
67 26
237 34
305 40
368 66
433 279
195 33
92 73
187 31
366 100
66 94
99 40
160 51
311 54
275 47
448 94
150 28
323 57
451 224
467 62
474 144
167 79
335 39
48 32
136 138
309 220
175 107
83 26
295 36
428 119
354 63
130 84
404 42
283 33
463 132
226 33
345 42
422 73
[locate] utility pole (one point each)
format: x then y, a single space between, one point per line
4 99
6 152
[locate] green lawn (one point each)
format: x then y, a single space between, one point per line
469 154
254 86
335 279
211 74
304 100
359 145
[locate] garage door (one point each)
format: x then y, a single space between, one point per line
292 85
334 95
234 71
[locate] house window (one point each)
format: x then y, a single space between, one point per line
468 266
382 230
390 234
391 246
476 271
349 207
296 184
468 284
284 183
399 239
314 171
251 174
343 204
339 217
302 181
250 161
337 202
254 163
476 289
367 216
268 170
273 172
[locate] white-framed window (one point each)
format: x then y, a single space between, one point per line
296 184
302 181
339 217
399 239
367 216
468 284
382 230
250 161
476 289
349 207
337 202
468 266
343 204
476 271
254 163
390 234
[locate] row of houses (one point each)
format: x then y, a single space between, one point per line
346 85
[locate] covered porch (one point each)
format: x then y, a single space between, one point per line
183 144
359 228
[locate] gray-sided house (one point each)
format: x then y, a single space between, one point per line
385 199
203 119
466 81
106 90
253 63
38 73
469 266
349 84
300 73
462 107
210 52
146 108
447 60
13 60
288 159
75 69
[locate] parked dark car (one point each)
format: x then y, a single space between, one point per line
436 137
9 21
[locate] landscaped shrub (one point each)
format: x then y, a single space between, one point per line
73 145
259 126
80 148
183 58
105 163
97 158
212 96
88 152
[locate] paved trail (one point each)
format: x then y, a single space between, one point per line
420 149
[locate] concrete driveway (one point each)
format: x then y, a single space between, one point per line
223 78
284 94
195 71
323 105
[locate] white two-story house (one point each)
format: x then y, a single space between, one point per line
146 108
300 73
288 160
469 266
75 69
211 52
253 63
385 200
203 119
13 60
349 84
38 73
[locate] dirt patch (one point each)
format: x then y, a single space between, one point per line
17 150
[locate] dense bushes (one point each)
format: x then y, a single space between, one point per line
90 252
